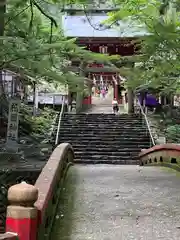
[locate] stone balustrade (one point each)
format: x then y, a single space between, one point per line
32 208
161 155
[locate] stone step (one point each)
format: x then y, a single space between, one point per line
106 154
97 129
102 137
102 121
92 144
100 116
105 128
123 133
111 139
140 145
105 149
107 161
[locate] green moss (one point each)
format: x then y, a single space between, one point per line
169 167
63 220
172 168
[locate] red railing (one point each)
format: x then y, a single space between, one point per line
162 154
32 208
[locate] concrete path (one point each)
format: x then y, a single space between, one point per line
100 105
104 202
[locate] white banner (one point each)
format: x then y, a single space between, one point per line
55 99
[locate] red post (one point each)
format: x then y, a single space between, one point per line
89 100
21 213
116 91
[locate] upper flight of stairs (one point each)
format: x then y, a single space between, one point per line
104 138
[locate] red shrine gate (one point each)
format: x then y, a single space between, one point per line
92 35
113 79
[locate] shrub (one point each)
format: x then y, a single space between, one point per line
173 133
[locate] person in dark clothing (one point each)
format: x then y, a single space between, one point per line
115 106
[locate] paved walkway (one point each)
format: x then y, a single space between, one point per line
100 105
104 202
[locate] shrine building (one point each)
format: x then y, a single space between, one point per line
88 28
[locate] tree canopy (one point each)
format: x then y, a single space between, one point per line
33 43
160 47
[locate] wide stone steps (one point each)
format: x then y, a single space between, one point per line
101 138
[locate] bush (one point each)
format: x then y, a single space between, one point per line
30 124
173 133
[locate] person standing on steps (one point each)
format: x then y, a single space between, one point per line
115 106
73 106
103 93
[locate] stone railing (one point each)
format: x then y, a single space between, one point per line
32 208
162 155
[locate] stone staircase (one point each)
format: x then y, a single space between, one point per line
104 138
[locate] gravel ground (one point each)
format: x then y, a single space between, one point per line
105 202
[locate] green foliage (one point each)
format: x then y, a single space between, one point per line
34 42
36 124
160 48
173 133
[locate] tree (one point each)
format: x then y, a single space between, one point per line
160 48
33 44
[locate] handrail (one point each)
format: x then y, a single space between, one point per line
147 122
59 122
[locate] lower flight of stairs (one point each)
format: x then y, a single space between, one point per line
105 138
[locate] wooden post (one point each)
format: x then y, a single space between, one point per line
22 216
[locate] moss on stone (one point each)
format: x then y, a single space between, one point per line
63 219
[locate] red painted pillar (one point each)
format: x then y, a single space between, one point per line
90 100
116 91
21 214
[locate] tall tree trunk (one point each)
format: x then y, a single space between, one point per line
35 99
3 102
80 89
2 16
130 96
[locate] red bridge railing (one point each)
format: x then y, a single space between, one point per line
162 154
32 208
